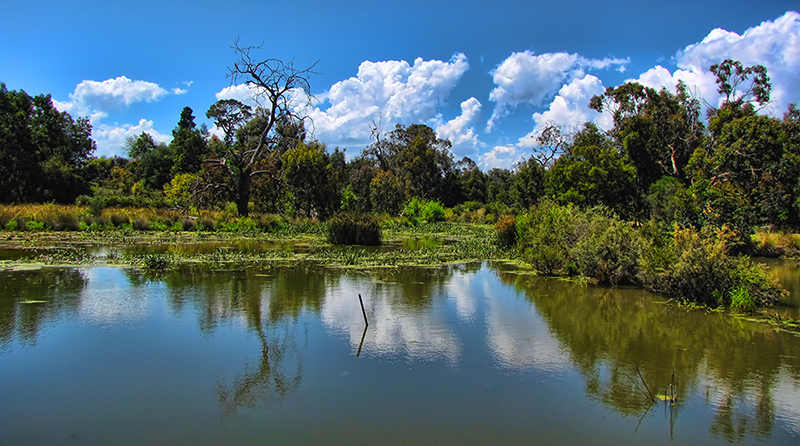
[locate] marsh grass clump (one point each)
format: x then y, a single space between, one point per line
354 229
205 224
156 262
119 219
141 224
742 301
188 224
506 229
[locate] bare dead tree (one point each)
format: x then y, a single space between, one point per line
550 144
275 86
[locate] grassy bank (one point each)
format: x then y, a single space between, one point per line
53 217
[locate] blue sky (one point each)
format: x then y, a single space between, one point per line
486 75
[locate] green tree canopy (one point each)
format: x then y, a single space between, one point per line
591 173
42 151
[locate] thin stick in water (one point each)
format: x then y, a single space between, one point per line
363 311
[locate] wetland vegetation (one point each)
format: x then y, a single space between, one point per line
224 268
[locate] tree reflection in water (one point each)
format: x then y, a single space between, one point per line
30 299
270 303
609 333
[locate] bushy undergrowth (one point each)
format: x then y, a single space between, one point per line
696 265
775 244
474 212
684 263
354 229
609 250
426 210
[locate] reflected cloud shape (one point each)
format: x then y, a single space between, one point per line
111 299
394 328
518 337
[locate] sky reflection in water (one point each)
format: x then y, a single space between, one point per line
462 354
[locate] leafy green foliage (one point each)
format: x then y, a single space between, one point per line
741 301
306 175
42 151
696 266
547 235
690 265
593 173
609 251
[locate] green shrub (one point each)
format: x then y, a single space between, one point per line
11 225
32 225
432 211
546 236
96 204
159 226
354 229
609 251
413 208
742 301
697 266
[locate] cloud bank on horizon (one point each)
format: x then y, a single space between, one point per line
558 85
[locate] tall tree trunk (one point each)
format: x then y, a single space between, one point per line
243 194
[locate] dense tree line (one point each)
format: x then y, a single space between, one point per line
660 160
43 152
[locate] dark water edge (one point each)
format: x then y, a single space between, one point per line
464 354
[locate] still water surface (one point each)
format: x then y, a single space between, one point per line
471 354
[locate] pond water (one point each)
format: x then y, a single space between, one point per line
469 354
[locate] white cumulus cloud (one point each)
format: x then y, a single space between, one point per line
389 91
460 130
96 99
528 78
115 93
570 108
774 44
502 157
111 138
